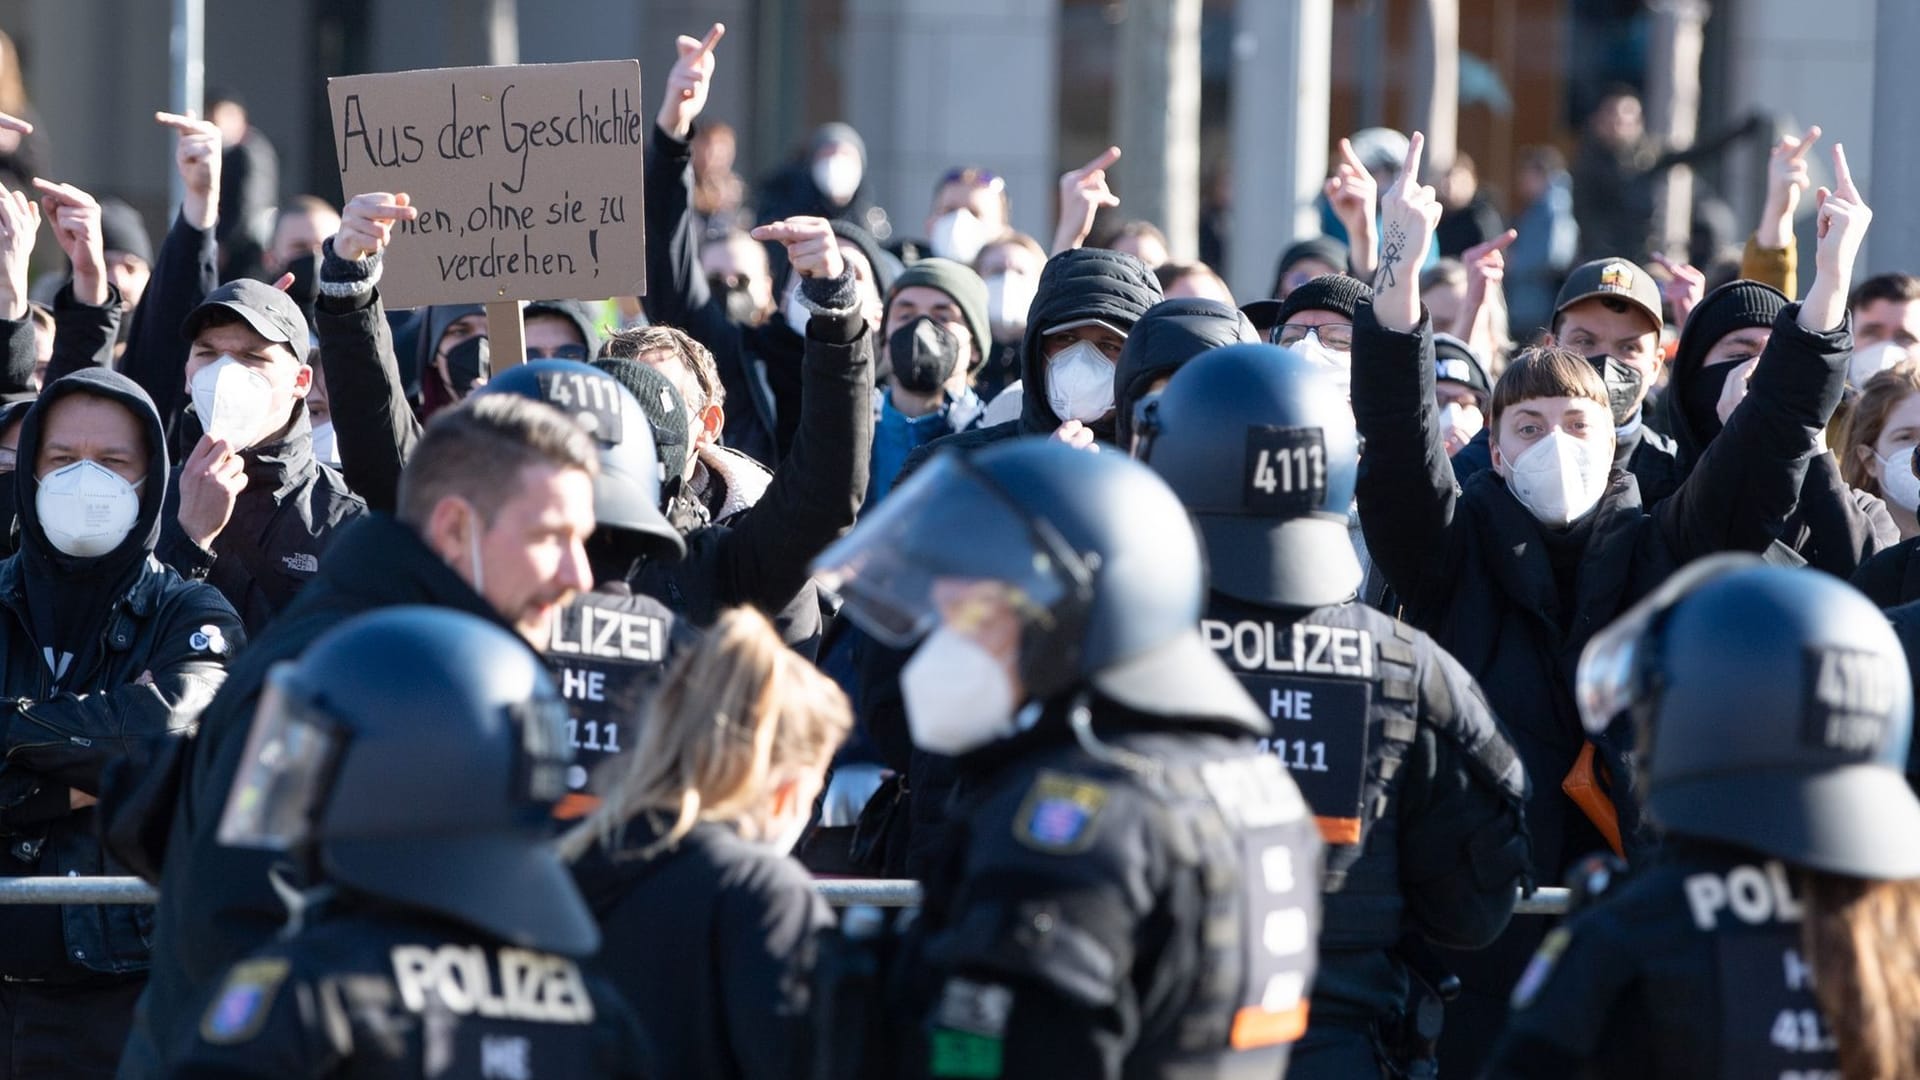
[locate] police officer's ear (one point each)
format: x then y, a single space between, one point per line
453 532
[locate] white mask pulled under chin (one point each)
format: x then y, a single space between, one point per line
957 694
1560 478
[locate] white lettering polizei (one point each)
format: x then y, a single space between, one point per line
1300 648
1755 895
525 985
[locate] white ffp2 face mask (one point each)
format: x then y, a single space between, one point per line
1080 383
1870 360
234 402
1897 481
86 509
1009 297
958 696
1560 478
958 235
837 176
1464 419
326 447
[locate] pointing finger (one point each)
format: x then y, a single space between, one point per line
285 282
1416 146
13 123
1806 142
1106 158
185 125
713 37
1843 176
1351 159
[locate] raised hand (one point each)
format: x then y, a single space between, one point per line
1409 215
1843 218
686 94
197 156
1083 192
812 249
1486 265
211 481
1786 179
76 225
1354 194
1684 288
366 223
19 228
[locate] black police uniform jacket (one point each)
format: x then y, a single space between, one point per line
216 902
1693 968
711 941
291 509
1416 789
1515 602
387 995
1146 913
155 653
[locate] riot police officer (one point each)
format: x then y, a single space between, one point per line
1773 933
431 935
1135 887
610 645
1415 787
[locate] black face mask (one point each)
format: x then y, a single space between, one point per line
1700 401
1623 386
741 307
305 288
468 363
924 355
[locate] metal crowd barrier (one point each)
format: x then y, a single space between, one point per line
840 892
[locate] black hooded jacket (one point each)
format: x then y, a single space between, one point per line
1835 527
283 520
1171 333
1085 283
217 904
104 659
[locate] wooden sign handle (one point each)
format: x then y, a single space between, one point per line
506 334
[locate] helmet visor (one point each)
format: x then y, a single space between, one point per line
284 772
1613 667
932 546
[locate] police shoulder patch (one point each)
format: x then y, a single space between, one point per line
241 1009
1541 966
1058 814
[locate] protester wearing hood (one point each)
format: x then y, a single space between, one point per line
934 338
1836 526
1167 336
560 330
107 652
251 511
828 179
1609 312
1011 267
760 362
448 365
1515 573
493 517
1085 305
1304 260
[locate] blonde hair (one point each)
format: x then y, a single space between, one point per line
1882 394
1862 940
735 716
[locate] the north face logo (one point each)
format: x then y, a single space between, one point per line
302 563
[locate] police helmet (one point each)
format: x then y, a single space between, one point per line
1259 444
1774 710
626 495
1103 566
415 754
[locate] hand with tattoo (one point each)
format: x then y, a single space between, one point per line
1409 214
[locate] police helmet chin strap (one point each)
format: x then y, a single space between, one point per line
297 900
1080 722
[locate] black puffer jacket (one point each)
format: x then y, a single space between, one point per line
157 651
1835 527
282 522
1892 577
1085 283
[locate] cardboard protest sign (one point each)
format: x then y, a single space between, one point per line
527 178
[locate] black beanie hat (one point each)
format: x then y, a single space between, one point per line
1737 305
1337 293
123 229
958 281
666 412
1324 248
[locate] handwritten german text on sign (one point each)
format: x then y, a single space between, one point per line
526 178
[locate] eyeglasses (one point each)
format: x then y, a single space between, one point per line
1336 336
558 352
